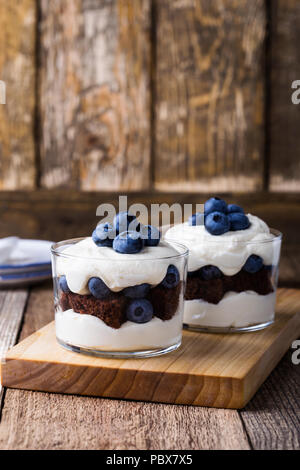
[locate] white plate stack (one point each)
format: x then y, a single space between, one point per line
24 262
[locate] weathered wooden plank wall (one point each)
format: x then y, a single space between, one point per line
284 115
140 94
94 94
210 95
17 116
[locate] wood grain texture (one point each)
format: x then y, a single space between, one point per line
17 69
284 116
222 371
209 87
94 94
12 305
32 420
272 418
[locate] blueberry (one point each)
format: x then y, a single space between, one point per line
150 235
253 264
234 208
210 272
63 284
196 219
128 242
122 221
217 223
98 288
238 221
103 235
137 292
139 311
215 204
172 277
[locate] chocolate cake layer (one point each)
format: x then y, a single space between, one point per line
165 301
213 291
113 309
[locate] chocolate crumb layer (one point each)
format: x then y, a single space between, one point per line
213 291
64 301
113 309
165 301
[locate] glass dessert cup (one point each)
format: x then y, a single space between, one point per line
100 326
236 301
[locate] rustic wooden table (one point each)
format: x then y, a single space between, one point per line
34 420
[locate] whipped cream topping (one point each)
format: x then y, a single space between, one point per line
229 251
117 270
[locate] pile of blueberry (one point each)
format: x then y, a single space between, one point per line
126 235
219 217
139 309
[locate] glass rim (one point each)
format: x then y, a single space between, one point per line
219 239
73 241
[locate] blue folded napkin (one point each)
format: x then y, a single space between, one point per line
24 261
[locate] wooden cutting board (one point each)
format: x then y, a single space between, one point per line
222 371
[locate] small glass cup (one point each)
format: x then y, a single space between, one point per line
100 326
240 302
